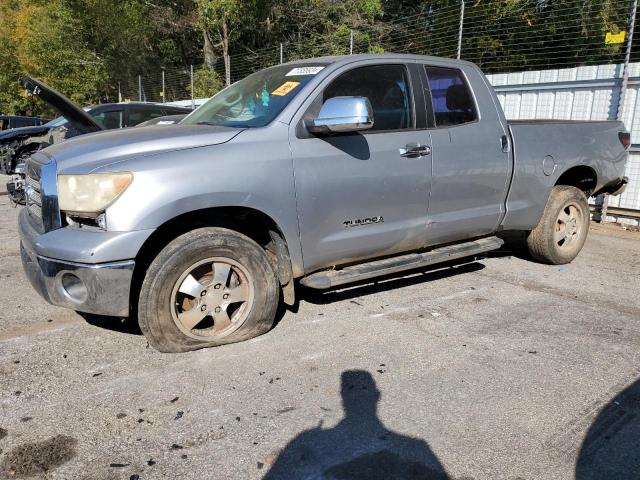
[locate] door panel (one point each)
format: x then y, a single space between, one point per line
359 177
357 196
470 171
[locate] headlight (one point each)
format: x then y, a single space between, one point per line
89 195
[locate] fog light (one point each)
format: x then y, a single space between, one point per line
73 287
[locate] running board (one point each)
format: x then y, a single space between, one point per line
363 271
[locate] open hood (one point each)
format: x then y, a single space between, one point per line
75 115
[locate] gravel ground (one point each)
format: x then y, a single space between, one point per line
498 369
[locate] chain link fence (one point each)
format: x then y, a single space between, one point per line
525 35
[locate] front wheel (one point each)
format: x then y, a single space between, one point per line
208 287
563 228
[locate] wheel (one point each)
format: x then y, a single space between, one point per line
563 228
208 287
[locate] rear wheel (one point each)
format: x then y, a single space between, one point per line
209 287
563 228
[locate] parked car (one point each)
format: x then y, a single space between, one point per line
18 144
324 171
15 121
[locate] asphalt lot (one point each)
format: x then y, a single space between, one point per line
498 369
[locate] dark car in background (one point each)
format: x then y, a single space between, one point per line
15 121
131 114
16 145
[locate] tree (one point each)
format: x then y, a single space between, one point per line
51 45
220 19
10 100
206 83
86 48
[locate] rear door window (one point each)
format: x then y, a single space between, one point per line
451 96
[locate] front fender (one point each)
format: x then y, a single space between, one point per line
256 173
287 223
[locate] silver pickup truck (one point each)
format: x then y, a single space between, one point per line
324 172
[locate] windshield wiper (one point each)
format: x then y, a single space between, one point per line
233 125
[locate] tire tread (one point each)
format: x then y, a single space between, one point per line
540 240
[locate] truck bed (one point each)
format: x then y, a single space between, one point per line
543 149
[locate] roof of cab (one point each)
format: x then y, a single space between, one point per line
344 59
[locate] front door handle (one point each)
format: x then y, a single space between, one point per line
504 144
414 150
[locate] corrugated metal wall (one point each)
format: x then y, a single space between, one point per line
581 93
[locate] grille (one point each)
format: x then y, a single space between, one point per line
33 196
41 193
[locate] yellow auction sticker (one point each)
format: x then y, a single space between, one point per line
285 88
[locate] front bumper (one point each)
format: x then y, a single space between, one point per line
101 288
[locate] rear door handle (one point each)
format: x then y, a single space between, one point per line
414 150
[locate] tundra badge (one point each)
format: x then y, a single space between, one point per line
359 222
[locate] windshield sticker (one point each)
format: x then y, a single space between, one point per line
303 71
285 88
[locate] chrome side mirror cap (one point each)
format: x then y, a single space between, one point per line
342 114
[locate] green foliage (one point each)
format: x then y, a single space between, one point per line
10 100
206 83
86 48
213 14
51 45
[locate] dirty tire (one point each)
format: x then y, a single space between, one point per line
157 307
563 228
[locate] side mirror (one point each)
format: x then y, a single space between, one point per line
342 114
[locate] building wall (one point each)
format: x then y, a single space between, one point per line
581 93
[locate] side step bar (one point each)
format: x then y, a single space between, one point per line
363 271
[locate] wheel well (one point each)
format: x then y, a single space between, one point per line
250 222
582 177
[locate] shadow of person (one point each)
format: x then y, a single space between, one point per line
359 447
611 448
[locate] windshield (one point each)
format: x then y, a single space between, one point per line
56 122
255 100
60 121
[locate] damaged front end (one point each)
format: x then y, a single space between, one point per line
16 147
10 166
15 186
14 156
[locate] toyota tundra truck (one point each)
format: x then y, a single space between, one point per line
319 172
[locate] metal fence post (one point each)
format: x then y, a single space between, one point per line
139 88
460 29
163 94
351 42
627 57
228 70
193 102
281 52
602 202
